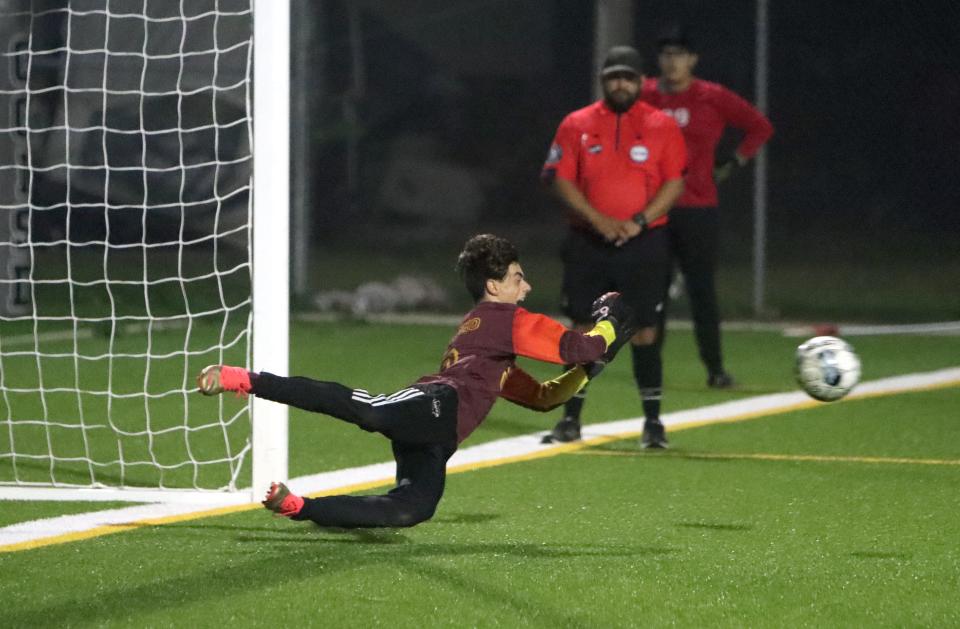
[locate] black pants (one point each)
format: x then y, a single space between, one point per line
421 423
639 270
694 245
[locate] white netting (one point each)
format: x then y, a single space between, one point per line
125 164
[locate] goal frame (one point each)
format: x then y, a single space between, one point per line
270 246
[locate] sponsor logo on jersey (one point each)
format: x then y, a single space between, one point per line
680 114
555 154
469 325
639 153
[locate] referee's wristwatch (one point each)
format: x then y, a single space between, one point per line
640 219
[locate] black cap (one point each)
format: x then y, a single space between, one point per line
622 59
675 35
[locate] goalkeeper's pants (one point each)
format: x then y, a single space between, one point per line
421 423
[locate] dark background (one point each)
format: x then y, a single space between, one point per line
862 167
417 123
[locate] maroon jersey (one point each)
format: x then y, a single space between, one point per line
618 161
481 356
703 111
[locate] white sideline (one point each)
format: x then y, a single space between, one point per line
502 449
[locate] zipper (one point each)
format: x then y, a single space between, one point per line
616 140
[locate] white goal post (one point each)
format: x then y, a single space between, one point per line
144 233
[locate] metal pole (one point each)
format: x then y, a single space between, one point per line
613 27
760 166
308 80
351 106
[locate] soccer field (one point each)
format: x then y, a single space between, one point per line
841 514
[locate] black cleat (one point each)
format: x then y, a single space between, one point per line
654 435
720 380
566 430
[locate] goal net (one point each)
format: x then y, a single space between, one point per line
127 247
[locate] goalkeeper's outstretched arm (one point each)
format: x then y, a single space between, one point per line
524 390
539 337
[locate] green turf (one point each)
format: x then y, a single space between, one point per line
611 536
366 355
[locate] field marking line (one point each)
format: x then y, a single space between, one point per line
762 456
63 529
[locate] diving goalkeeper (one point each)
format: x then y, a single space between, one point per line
426 421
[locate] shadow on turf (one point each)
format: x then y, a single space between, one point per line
715 526
190 583
629 447
867 554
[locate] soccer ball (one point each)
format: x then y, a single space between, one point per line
827 368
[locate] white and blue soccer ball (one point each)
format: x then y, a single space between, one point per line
827 368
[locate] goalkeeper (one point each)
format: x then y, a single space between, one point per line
426 421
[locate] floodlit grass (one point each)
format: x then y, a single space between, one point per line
843 514
608 536
384 358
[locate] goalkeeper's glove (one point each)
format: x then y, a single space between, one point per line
611 308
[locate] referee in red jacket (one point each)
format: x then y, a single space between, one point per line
703 110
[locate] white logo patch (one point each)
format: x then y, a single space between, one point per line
553 157
681 115
639 153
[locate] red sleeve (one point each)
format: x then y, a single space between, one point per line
674 162
744 116
563 158
539 337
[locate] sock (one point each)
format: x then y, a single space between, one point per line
648 374
574 406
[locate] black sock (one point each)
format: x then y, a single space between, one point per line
648 374
574 406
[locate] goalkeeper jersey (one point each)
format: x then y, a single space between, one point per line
480 360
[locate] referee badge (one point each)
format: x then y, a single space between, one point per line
639 153
553 157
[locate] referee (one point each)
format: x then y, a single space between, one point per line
703 110
617 166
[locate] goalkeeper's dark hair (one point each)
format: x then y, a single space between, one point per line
485 257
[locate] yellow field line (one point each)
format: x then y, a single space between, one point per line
569 448
780 457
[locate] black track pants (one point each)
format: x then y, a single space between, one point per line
694 244
420 421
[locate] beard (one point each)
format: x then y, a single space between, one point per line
620 101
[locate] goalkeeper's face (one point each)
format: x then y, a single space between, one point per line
512 289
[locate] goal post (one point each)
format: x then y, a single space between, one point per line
271 220
143 239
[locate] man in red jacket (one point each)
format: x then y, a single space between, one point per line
703 110
426 421
617 166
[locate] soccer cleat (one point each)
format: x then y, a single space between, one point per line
215 379
566 430
720 380
654 435
281 501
